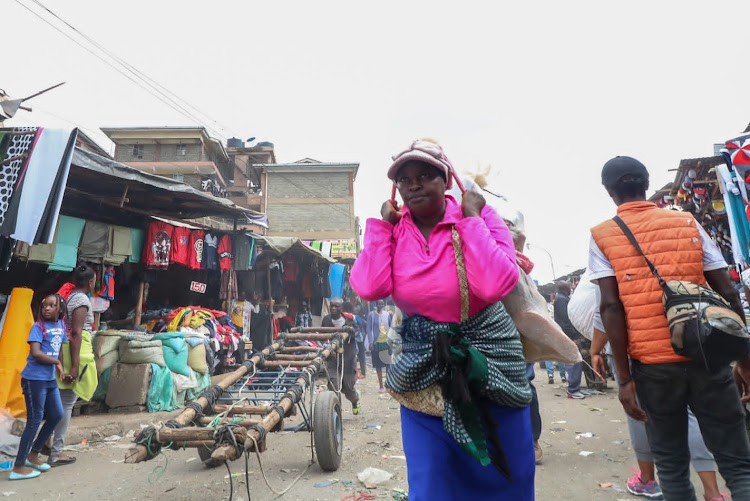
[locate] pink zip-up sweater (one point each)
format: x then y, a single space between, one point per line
420 275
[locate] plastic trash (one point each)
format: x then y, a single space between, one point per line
585 453
373 476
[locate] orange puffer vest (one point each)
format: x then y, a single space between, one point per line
671 241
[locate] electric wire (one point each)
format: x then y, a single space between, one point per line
151 89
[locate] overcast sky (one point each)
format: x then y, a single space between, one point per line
545 92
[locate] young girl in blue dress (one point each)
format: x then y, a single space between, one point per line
39 386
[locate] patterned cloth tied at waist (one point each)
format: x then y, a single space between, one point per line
477 361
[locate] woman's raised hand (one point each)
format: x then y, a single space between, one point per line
391 212
472 204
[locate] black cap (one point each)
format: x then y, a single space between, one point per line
620 166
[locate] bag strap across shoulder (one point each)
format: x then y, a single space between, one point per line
463 281
631 237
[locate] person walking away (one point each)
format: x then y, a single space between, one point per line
550 366
575 371
644 483
636 325
40 389
360 325
81 320
481 447
378 323
345 373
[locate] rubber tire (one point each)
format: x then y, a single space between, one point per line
205 455
328 432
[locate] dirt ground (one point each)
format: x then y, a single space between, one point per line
371 439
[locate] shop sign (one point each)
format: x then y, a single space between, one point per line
198 287
344 249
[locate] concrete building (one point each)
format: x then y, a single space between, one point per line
247 162
187 154
310 200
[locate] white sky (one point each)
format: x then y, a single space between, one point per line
545 91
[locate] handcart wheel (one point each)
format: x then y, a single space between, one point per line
205 454
328 431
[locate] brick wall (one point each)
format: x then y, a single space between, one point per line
124 153
169 153
308 185
318 202
309 217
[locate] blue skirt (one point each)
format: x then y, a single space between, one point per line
439 469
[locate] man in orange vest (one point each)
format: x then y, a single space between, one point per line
634 319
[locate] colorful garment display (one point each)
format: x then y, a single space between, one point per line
211 251
34 203
225 253
195 250
16 146
179 252
158 244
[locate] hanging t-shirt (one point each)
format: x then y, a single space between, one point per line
211 251
225 253
158 244
195 250
50 342
179 253
291 268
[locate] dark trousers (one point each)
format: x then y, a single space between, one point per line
536 418
346 373
665 391
42 404
362 356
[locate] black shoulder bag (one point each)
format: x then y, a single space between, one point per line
702 326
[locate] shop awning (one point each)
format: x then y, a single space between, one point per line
113 184
281 245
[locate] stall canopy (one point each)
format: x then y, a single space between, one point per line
281 245
101 181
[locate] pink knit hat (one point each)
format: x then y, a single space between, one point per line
426 152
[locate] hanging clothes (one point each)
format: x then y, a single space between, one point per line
211 251
120 245
108 283
94 242
137 238
69 233
277 285
291 268
225 253
40 187
158 245
16 146
195 256
261 329
242 249
336 280
179 251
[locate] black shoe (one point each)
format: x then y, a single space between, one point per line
551 380
564 379
60 462
45 450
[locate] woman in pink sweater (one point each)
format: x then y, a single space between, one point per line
409 256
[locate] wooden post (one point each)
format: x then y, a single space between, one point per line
139 305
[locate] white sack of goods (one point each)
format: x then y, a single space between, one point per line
542 338
582 306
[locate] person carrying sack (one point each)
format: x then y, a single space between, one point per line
632 311
460 374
